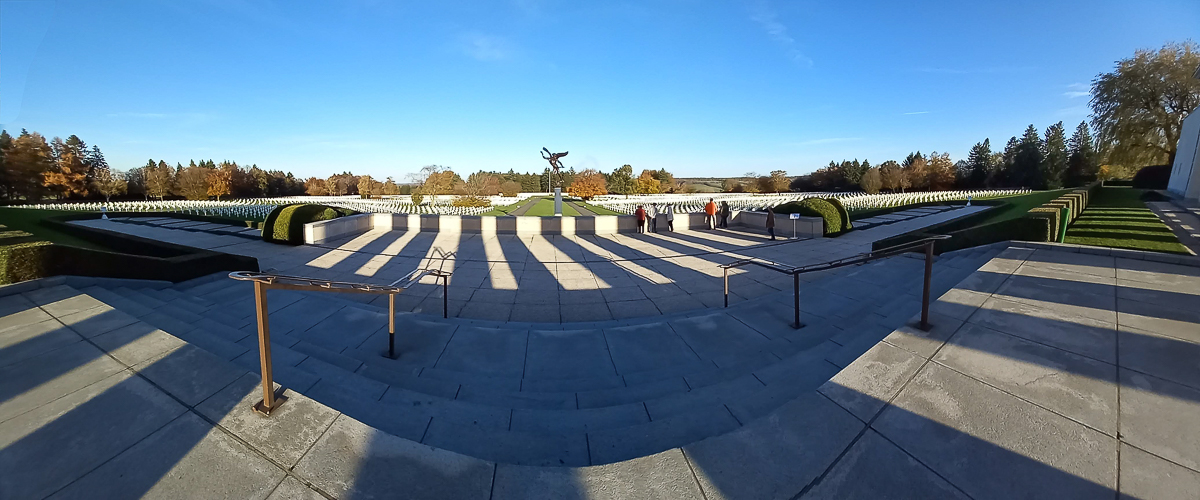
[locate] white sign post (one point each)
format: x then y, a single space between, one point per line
794 218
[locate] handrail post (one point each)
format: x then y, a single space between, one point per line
268 402
392 325
796 297
445 297
928 284
726 287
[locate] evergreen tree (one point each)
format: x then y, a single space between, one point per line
1005 172
6 174
1082 164
96 163
979 165
1027 162
1054 157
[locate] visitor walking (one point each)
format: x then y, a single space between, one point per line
641 219
710 214
725 214
670 218
771 222
654 217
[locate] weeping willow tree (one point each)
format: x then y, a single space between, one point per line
1139 107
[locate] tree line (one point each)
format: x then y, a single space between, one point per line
1047 160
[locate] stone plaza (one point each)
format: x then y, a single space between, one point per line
606 366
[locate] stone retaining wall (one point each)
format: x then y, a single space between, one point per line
324 231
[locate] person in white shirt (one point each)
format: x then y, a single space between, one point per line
654 217
670 218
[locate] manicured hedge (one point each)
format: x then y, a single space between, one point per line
1152 177
286 223
816 207
41 259
842 213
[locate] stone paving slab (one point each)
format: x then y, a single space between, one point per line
663 475
876 468
655 264
352 460
993 445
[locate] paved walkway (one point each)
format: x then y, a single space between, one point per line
550 279
1049 373
1183 221
526 206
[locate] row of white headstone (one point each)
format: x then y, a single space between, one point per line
694 203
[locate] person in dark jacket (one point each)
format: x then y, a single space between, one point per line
771 222
725 214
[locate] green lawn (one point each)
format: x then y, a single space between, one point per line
545 208
598 210
1118 218
26 219
1015 206
504 210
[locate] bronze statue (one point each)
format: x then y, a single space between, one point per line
555 166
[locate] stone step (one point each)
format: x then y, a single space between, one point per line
117 301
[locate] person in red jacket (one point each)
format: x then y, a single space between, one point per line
710 214
641 219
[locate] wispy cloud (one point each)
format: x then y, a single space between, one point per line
486 47
828 140
765 16
971 71
1077 90
916 113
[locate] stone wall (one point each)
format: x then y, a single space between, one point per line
324 231
1185 173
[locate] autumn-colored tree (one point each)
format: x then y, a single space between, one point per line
26 159
893 176
366 186
390 187
160 179
314 186
646 183
732 186
69 177
331 186
220 180
779 181
940 172
1138 108
193 182
513 188
916 170
109 183
588 184
871 181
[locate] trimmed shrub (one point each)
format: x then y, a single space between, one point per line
815 207
1152 177
471 201
41 259
286 223
842 212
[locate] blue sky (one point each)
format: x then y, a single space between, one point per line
698 88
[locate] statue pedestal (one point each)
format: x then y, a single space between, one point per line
557 201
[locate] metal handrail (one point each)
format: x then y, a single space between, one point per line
267 281
927 242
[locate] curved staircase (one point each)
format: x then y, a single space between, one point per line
571 394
